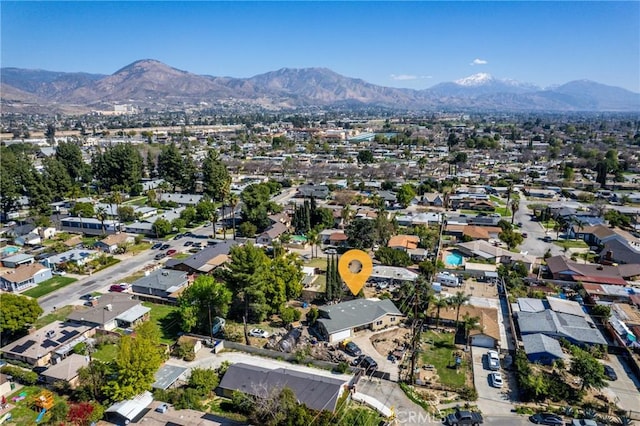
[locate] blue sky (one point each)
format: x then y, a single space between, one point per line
399 44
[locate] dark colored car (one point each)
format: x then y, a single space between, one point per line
188 243
610 373
164 246
547 239
352 349
160 256
546 419
156 246
368 363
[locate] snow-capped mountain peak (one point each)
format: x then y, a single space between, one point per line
475 79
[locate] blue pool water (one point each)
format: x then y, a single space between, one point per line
454 259
9 250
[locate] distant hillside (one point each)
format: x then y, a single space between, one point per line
151 84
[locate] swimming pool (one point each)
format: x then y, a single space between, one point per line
298 239
453 259
9 250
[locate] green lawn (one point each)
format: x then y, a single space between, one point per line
138 201
571 244
59 315
133 277
320 263
23 413
496 200
438 350
167 320
49 286
503 211
181 255
106 353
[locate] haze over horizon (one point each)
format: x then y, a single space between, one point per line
397 44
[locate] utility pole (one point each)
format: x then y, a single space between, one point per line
415 340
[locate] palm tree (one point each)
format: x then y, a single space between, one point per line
515 206
509 191
624 421
214 218
470 323
314 239
101 215
116 198
458 300
233 203
346 214
440 303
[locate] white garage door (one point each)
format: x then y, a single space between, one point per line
341 335
483 341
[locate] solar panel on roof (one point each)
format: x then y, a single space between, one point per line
23 347
66 335
50 344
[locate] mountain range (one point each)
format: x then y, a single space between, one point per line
157 86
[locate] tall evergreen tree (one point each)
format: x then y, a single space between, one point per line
215 177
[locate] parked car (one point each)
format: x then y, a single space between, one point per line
217 325
610 373
119 288
525 235
162 408
188 243
496 380
351 349
59 273
369 364
164 246
464 417
546 419
171 252
547 239
160 256
258 332
493 360
156 246
585 422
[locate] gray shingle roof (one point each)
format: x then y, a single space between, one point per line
558 324
162 279
200 259
167 375
355 313
315 391
539 343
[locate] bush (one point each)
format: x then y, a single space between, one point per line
469 393
19 375
342 367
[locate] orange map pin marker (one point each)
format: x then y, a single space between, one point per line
355 267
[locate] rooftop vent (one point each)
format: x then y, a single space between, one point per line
109 307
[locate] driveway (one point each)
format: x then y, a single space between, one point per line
390 394
491 401
363 340
626 387
533 244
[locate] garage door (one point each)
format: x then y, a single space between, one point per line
339 336
483 341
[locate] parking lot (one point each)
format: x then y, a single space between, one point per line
491 401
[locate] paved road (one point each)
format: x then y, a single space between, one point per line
101 280
533 244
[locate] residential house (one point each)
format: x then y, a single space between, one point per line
110 243
272 233
542 349
320 192
113 310
404 242
340 321
164 283
30 239
318 392
393 274
433 199
620 251
89 225
24 277
55 340
487 333
183 200
325 235
77 256
338 239
609 293
480 249
205 261
17 260
562 268
66 370
578 330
